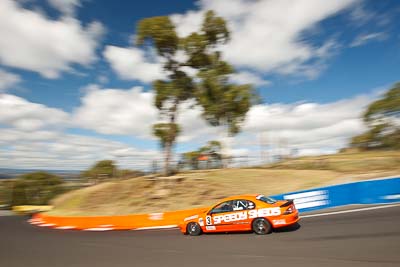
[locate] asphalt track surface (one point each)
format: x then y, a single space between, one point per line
366 238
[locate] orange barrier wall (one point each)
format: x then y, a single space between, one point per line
125 222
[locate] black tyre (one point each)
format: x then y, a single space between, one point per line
193 229
261 226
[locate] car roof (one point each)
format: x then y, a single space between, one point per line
247 196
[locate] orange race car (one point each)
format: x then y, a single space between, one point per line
256 213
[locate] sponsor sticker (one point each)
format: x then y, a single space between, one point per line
243 215
232 217
210 228
264 212
191 218
201 222
279 222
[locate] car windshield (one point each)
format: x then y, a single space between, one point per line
265 199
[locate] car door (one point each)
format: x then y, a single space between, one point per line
217 218
242 221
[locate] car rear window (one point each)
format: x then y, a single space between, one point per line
265 199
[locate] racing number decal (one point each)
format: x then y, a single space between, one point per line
208 220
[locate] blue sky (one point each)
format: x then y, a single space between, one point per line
74 89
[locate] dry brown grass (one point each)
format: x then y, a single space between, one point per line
194 189
356 162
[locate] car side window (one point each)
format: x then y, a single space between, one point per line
243 204
226 206
250 205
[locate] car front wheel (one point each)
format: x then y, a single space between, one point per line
193 229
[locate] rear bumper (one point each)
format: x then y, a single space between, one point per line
286 220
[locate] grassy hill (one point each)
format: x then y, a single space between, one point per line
356 162
203 188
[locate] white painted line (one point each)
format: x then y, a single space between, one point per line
47 224
348 211
98 229
157 227
65 227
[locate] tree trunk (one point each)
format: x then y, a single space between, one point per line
167 157
171 140
226 146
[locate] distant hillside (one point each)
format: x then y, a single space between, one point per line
8 173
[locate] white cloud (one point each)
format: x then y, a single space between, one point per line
67 7
308 127
361 15
137 64
194 127
34 42
57 150
318 64
245 77
102 79
8 80
24 115
304 126
362 39
114 111
132 112
189 22
14 135
32 138
133 64
304 116
33 135
268 36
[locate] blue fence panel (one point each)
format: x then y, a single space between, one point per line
365 192
379 191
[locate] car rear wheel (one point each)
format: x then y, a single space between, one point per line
193 229
261 226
